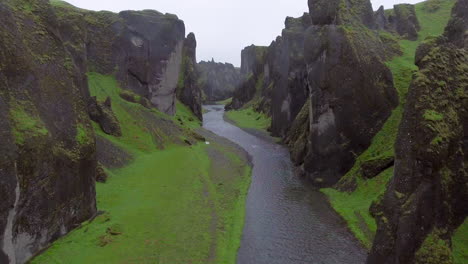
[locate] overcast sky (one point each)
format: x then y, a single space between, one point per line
223 27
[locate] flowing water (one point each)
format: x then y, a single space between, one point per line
287 221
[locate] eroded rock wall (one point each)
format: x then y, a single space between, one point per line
218 80
426 199
252 68
47 167
350 88
143 49
189 91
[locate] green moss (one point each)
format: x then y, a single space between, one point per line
382 145
460 244
433 115
354 207
83 136
26 123
434 250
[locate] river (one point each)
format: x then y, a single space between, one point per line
287 221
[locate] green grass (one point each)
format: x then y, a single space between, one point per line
133 117
225 102
249 118
354 207
171 205
402 67
460 244
163 204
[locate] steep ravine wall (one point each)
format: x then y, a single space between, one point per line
48 157
334 59
48 162
218 80
425 202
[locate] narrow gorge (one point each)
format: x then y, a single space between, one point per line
343 141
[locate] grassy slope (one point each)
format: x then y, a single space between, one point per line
247 117
350 205
167 205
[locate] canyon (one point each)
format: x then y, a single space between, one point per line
344 141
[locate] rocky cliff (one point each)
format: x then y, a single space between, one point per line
425 201
252 66
218 80
351 90
188 90
144 49
330 60
48 163
49 54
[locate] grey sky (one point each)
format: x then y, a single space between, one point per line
223 27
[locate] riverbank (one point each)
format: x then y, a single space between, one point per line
176 200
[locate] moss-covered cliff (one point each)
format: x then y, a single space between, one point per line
48 160
425 200
63 111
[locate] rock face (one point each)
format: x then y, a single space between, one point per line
381 21
47 154
326 70
48 161
189 91
326 12
285 72
351 93
218 80
426 200
252 66
143 49
404 21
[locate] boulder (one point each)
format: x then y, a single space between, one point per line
101 113
101 174
372 168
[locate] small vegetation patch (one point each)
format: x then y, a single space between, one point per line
354 207
433 115
26 123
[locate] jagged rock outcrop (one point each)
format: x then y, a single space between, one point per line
404 21
351 91
47 151
252 66
426 199
218 80
326 12
188 90
331 61
286 73
143 49
381 20
48 161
